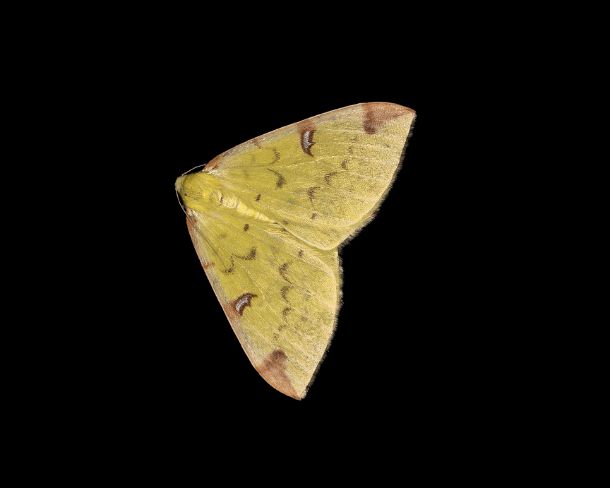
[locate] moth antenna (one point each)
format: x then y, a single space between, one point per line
193 169
185 173
180 202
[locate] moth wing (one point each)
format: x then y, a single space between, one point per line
280 296
322 178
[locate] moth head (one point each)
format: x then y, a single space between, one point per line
194 189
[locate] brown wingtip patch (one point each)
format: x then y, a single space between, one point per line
213 164
273 370
307 129
376 114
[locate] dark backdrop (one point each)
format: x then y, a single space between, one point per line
135 357
413 334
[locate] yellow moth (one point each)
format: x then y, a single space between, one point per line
267 219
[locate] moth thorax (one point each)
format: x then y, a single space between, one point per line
224 200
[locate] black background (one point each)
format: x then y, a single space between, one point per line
401 327
439 358
436 361
413 337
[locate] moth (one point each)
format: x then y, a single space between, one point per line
268 217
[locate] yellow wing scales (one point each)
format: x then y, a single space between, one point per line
267 218
280 296
325 176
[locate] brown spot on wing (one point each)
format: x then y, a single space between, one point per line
284 292
276 155
207 264
300 253
307 129
273 370
376 114
246 227
282 270
281 181
258 197
242 302
328 177
257 143
213 164
250 256
231 268
311 192
313 216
